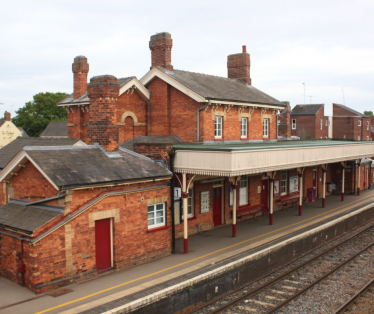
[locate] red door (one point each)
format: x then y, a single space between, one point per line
217 206
103 245
314 178
265 192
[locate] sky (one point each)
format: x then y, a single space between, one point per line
327 45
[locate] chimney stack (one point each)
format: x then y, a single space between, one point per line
102 125
160 45
80 70
7 116
238 66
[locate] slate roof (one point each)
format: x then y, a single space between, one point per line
56 129
221 88
23 132
151 140
84 98
2 121
20 216
13 148
356 113
71 166
305 110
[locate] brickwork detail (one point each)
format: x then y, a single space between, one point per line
109 213
160 45
238 67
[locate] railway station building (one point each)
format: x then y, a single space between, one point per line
172 154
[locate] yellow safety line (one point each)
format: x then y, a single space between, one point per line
194 259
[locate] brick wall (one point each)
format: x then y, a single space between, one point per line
155 152
305 127
284 126
321 133
343 127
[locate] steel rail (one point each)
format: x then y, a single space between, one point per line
347 305
270 283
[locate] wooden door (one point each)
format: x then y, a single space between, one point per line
217 206
103 245
265 192
314 178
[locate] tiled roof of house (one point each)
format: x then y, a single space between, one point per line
71 166
20 216
56 129
305 110
13 148
355 113
23 132
2 121
84 98
151 140
221 88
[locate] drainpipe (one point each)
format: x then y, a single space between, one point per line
370 176
171 157
21 265
198 120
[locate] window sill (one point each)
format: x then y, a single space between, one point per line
244 138
266 138
190 218
219 139
157 229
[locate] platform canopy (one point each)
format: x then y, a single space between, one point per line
241 159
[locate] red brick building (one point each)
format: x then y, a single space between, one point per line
350 124
309 122
74 211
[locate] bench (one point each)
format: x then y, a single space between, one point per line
251 210
291 200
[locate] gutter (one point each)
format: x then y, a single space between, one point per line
48 199
78 213
198 120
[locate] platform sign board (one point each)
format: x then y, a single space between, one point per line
204 202
231 199
177 192
294 184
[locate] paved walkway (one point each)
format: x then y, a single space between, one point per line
204 249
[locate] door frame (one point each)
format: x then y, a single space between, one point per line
111 240
222 209
222 186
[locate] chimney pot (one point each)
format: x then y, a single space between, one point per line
7 116
80 69
244 49
238 66
161 45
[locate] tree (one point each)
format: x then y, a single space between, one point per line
35 116
368 113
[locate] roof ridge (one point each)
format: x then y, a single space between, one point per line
205 75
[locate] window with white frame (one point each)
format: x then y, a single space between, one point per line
327 123
284 183
321 124
190 203
156 215
359 122
244 127
367 125
293 124
243 192
218 127
358 138
266 128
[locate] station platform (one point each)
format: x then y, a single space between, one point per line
209 251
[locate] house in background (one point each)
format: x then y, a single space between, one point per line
56 129
310 122
8 131
350 124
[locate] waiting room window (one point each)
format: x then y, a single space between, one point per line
321 124
293 124
266 128
284 183
367 125
156 215
243 192
218 127
244 127
359 122
190 203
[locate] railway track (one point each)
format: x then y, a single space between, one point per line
275 294
361 302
